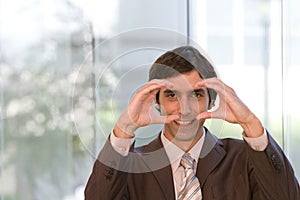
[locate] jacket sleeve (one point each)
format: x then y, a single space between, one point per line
271 174
108 179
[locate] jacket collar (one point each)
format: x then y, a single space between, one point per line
211 155
158 162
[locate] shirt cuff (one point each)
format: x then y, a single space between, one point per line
259 143
121 145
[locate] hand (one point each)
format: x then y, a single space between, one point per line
140 110
231 108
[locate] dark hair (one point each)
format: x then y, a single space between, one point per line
183 60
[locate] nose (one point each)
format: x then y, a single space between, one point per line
185 106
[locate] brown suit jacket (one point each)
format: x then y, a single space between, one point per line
227 169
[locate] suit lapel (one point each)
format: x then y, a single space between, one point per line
155 157
210 156
165 180
158 161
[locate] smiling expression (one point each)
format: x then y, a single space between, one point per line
186 101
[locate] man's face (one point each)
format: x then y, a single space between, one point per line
184 100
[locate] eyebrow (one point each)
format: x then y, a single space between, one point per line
199 90
168 91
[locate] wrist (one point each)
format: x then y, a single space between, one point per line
123 131
253 128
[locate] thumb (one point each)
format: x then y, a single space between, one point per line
204 115
171 118
165 119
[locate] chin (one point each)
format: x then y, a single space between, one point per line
184 139
186 134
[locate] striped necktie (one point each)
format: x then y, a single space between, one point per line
190 188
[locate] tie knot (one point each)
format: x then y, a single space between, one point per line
187 161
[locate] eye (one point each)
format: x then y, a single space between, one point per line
171 95
199 94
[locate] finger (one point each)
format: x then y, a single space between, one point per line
171 118
158 83
153 87
144 96
216 84
204 115
220 113
149 103
164 82
212 83
164 119
138 104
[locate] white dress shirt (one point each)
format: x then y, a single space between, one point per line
174 153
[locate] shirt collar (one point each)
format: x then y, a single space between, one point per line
174 153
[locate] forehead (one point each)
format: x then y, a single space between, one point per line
185 81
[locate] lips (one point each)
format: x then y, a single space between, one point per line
184 122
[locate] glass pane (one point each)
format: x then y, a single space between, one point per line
42 45
220 31
123 58
55 56
291 82
253 40
243 41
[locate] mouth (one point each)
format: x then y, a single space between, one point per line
184 122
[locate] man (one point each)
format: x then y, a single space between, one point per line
186 161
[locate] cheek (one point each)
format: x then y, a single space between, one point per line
169 108
204 102
202 105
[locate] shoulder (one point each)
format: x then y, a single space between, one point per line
225 143
231 146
